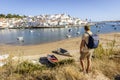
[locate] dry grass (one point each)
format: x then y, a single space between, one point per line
64 70
103 61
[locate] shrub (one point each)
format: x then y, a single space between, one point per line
100 51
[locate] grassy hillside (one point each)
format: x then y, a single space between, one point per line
104 67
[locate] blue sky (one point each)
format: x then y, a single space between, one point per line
96 10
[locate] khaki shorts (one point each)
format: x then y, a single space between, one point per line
88 54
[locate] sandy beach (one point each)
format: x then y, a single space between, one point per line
40 50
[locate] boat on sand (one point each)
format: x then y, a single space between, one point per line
62 51
52 59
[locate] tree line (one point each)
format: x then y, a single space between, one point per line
11 16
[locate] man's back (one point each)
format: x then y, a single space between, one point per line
85 37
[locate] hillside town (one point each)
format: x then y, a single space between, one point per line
54 20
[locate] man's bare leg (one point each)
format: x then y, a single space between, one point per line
88 64
82 65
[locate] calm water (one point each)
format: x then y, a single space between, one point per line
38 36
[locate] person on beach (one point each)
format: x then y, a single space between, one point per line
84 51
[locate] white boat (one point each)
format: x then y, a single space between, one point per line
20 39
68 35
70 30
78 33
31 31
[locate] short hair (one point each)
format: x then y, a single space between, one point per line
87 27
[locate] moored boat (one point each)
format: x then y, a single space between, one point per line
20 39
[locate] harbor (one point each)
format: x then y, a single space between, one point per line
46 35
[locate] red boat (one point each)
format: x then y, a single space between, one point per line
52 58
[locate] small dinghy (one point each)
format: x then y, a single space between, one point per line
68 36
78 33
20 39
62 51
52 59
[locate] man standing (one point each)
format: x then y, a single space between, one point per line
85 52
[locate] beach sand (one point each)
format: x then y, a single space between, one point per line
41 50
